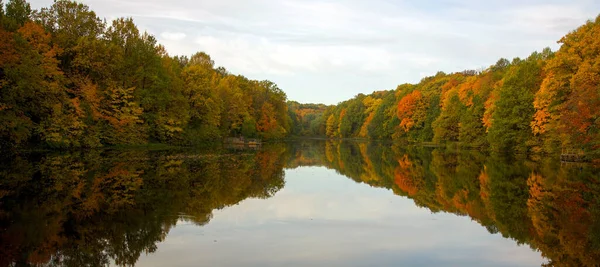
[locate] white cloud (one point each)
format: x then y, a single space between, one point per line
547 18
173 36
328 51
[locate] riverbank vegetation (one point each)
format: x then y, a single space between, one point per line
71 79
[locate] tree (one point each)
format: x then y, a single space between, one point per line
447 125
332 126
514 109
235 103
204 104
267 121
566 106
371 105
18 12
471 130
70 23
411 110
123 115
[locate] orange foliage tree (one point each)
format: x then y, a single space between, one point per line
568 102
409 109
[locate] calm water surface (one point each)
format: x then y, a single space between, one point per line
310 203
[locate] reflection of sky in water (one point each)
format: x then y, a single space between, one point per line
322 218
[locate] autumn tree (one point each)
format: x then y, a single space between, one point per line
410 110
371 104
566 106
332 126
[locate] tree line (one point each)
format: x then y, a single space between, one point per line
71 79
544 103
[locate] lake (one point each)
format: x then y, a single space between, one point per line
303 203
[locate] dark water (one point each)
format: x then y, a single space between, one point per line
310 203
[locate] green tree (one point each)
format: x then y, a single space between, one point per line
447 125
17 13
204 104
511 130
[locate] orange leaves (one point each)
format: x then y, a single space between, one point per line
562 219
89 93
544 99
36 36
8 53
117 188
484 184
583 107
490 107
371 105
568 103
449 85
121 109
407 108
340 122
124 116
406 124
537 196
267 121
343 114
405 176
407 104
331 126
364 129
540 120
40 41
469 88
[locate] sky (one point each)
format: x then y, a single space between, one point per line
331 50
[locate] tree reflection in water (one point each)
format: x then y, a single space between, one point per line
95 207
88 208
549 206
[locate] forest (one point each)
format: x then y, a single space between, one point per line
70 79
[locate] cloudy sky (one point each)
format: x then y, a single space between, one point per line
328 51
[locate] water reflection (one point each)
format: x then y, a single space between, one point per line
87 209
552 207
100 207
